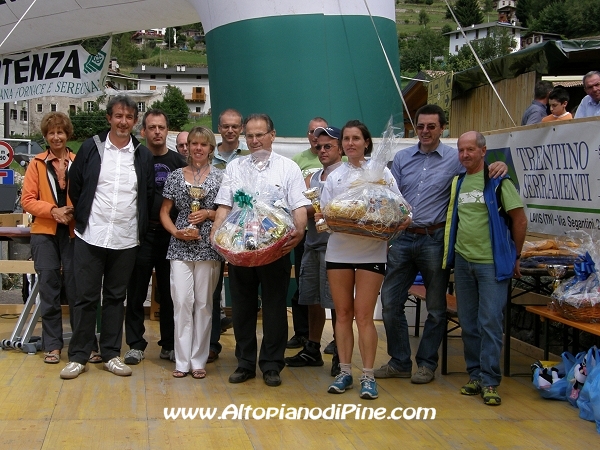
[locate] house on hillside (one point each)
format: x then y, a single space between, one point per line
193 82
507 11
537 37
142 37
477 32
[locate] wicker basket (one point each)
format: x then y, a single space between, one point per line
367 229
254 258
585 312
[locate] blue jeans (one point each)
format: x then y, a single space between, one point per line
409 254
480 300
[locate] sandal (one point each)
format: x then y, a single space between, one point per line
52 358
95 357
198 374
179 374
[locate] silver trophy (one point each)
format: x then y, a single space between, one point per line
557 271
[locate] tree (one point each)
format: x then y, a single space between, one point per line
423 18
89 123
418 52
174 106
494 45
468 12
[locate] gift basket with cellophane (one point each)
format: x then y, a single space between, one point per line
578 298
258 225
369 207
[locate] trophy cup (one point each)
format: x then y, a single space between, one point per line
557 271
197 193
313 195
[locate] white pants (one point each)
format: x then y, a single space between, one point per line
192 287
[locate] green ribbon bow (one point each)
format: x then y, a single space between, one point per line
242 199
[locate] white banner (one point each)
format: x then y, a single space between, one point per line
61 71
557 172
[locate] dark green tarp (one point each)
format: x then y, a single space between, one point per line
555 58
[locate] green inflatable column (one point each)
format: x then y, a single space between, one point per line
295 60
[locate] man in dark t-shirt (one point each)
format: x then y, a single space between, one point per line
153 250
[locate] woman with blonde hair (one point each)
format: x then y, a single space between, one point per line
195 265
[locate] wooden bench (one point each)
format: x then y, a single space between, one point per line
521 298
547 315
418 292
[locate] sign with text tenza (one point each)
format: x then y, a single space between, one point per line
62 71
557 170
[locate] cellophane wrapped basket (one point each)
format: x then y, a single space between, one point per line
578 298
257 227
369 207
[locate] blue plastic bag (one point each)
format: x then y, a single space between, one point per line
589 397
552 381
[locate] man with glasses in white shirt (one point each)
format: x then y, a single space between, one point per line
111 184
273 279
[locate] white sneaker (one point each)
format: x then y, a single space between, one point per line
118 367
72 370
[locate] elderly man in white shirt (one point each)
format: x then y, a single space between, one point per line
273 278
112 187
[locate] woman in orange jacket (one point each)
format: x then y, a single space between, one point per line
45 197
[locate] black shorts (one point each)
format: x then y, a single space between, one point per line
371 267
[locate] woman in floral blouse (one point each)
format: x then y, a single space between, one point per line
195 265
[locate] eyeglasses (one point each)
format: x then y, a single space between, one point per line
259 136
310 132
429 126
325 147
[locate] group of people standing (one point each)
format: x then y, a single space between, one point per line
120 209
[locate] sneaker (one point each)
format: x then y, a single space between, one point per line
342 382
423 375
335 365
305 357
72 370
134 356
490 396
368 388
167 354
473 387
296 342
387 371
330 348
118 367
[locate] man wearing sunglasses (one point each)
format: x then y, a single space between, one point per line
424 174
309 163
313 284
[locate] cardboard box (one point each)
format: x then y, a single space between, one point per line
13 220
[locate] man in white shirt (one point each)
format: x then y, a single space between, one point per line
112 187
284 175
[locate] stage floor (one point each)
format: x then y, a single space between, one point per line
99 410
